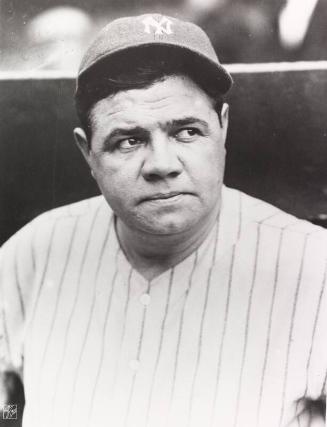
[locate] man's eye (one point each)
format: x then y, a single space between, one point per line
129 143
188 134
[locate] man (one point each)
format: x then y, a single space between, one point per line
171 300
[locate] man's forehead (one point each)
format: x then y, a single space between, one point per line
172 93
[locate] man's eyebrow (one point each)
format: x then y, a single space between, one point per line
185 121
135 130
126 131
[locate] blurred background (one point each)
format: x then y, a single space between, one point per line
52 34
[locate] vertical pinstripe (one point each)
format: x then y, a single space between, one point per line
124 323
104 333
180 329
33 253
317 313
45 269
227 305
138 353
323 389
5 332
53 320
247 324
81 267
127 302
75 376
4 328
162 332
297 290
19 290
204 312
271 311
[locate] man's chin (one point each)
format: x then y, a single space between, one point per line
168 225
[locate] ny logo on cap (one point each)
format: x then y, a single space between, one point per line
161 27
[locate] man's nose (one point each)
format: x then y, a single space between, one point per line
161 160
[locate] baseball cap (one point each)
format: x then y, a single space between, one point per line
135 32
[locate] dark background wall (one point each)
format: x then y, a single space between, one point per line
277 143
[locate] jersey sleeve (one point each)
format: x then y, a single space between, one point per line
17 267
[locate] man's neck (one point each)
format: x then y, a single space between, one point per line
152 254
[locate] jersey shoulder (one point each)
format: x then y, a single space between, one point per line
257 211
39 231
80 208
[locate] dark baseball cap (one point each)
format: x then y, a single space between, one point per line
130 33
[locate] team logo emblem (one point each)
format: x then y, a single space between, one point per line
159 27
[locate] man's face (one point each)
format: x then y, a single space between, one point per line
158 155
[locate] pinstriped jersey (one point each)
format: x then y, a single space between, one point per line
233 336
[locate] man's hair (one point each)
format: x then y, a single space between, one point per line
139 68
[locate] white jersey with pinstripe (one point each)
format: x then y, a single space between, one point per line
235 335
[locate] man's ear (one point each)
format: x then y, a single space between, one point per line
224 114
224 119
82 143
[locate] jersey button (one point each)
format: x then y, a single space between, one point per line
134 364
145 299
49 284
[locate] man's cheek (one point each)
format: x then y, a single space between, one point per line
106 173
215 161
118 188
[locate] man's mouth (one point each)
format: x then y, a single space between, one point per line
164 196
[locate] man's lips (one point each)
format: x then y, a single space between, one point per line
164 196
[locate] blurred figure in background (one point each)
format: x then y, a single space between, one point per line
248 31
241 30
302 30
56 39
294 21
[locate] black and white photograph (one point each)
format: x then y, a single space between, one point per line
163 213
